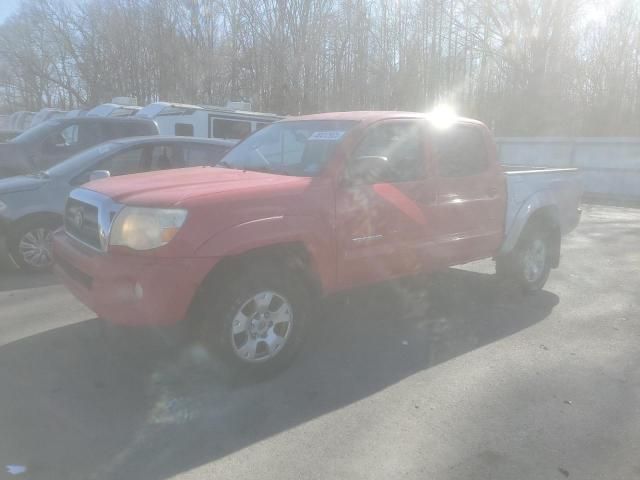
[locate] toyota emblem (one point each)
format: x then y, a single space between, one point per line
78 218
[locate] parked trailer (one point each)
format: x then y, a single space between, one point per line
205 120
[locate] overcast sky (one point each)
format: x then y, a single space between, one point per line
7 7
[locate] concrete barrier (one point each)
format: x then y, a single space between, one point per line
610 167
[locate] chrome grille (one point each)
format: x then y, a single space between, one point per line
81 222
88 217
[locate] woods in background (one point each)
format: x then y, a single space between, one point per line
525 67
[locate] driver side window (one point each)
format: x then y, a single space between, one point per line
66 138
122 163
401 144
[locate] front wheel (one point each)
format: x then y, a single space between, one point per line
529 265
30 245
255 323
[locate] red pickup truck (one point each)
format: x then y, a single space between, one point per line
304 208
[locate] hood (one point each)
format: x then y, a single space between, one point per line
21 183
175 187
14 160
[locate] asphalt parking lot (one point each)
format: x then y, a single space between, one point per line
458 378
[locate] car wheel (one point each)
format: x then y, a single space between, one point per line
30 245
529 265
256 322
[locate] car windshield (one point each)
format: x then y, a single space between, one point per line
299 148
73 164
35 134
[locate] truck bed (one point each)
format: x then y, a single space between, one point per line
520 169
535 187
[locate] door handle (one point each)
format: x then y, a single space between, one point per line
492 191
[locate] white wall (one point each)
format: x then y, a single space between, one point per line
610 167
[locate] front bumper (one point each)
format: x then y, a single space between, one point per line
129 289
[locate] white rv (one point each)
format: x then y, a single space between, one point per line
113 110
205 121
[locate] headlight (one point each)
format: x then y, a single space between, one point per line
146 228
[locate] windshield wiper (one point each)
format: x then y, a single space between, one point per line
266 170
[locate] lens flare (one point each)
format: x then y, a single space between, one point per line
442 116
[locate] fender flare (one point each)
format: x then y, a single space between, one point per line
256 234
543 199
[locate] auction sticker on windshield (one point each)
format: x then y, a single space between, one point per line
327 135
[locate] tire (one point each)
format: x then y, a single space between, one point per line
30 244
255 322
529 265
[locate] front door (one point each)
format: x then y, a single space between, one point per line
383 212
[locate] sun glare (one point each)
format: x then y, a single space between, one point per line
442 116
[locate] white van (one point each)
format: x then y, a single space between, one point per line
205 120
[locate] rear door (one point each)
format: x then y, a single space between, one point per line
471 193
382 224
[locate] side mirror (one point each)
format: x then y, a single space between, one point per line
366 170
99 174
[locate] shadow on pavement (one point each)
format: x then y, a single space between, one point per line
19 280
80 403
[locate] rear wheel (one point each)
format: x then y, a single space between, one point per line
529 265
30 244
255 323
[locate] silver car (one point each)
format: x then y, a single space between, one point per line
32 206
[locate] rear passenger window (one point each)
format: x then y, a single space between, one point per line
459 151
90 134
198 155
113 131
165 157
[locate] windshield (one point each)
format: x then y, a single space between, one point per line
299 148
76 163
37 133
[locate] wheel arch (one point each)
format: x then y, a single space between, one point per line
294 255
540 207
48 217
